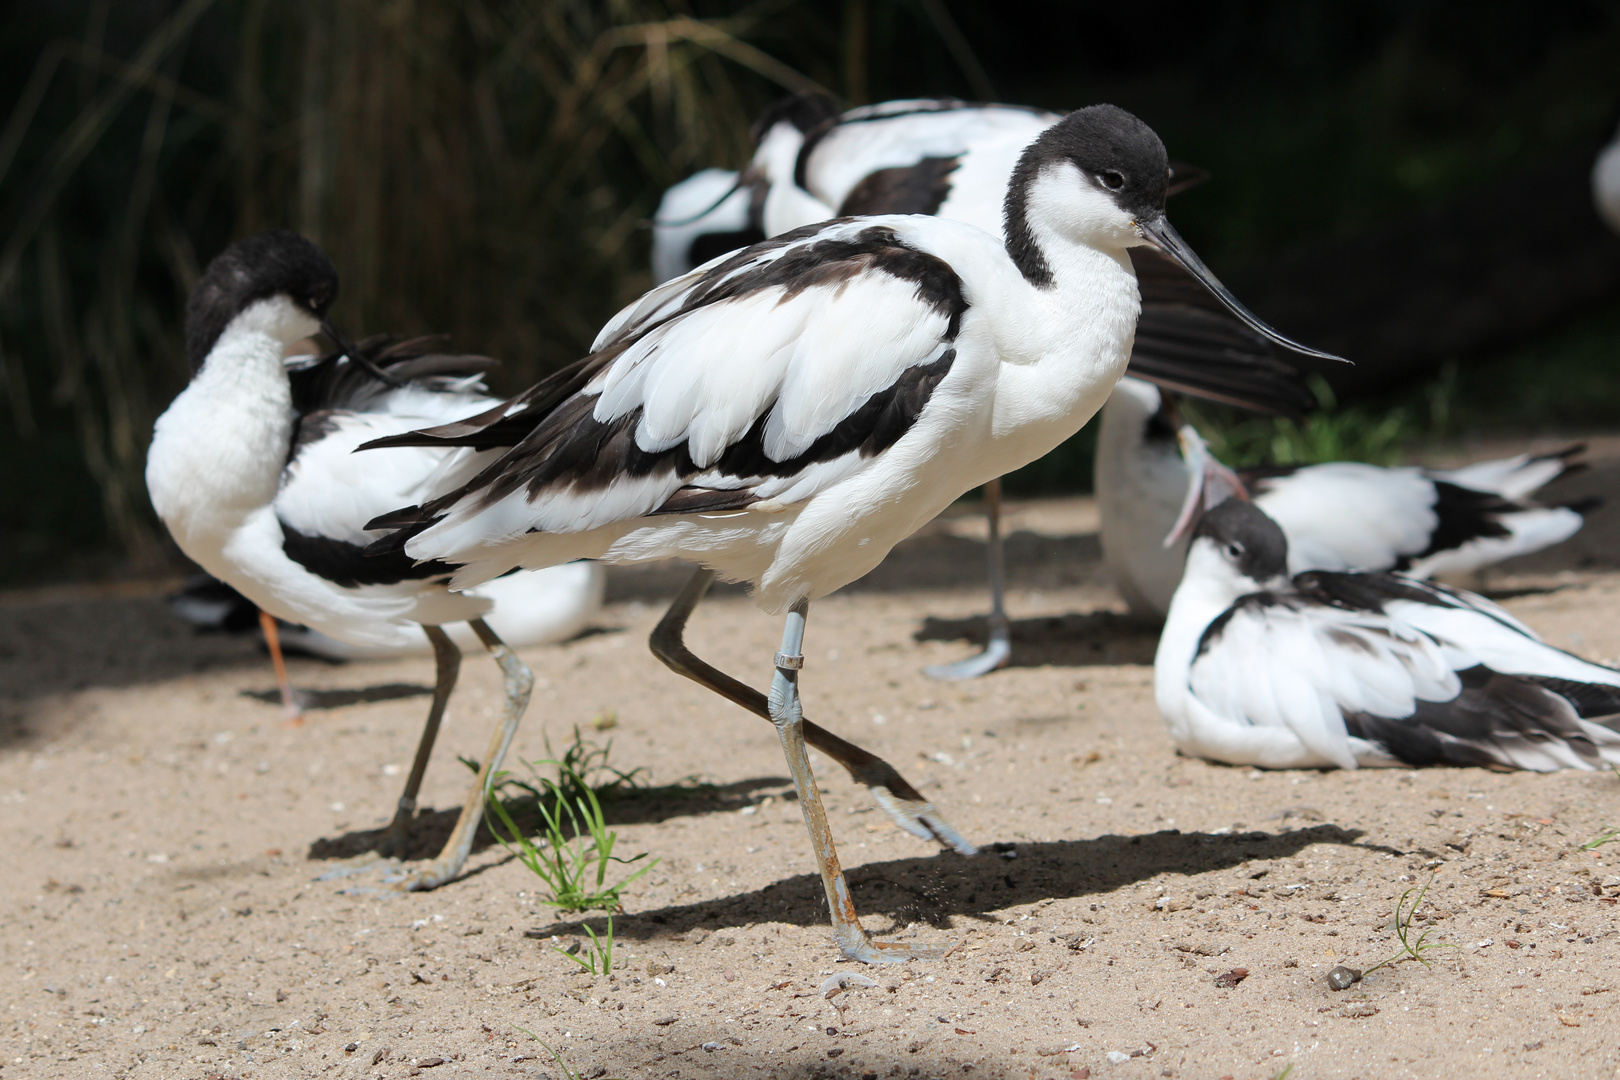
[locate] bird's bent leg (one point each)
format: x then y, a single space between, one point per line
447 662
902 802
519 682
291 711
788 716
998 648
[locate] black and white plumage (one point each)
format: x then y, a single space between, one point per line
953 159
1154 473
786 415
252 469
1357 669
1347 515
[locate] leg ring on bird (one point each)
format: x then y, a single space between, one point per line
790 663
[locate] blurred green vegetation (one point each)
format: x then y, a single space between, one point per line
482 167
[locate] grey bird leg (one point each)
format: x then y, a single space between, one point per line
788 717
904 803
998 650
519 681
447 660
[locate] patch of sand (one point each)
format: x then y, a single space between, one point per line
161 915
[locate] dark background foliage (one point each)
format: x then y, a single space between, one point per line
482 167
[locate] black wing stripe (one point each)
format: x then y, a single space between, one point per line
589 455
912 189
1464 514
1478 726
1369 592
1591 701
831 262
348 565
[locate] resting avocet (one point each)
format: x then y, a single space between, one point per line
787 415
1330 669
253 471
952 159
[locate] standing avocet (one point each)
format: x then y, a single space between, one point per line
787 415
952 159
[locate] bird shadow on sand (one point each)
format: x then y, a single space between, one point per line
1073 640
628 806
313 700
933 889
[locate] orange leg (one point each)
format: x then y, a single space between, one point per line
290 710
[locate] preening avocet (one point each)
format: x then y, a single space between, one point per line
1356 669
707 214
537 607
252 469
952 159
787 415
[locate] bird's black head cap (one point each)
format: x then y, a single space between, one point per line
804 111
1247 537
1111 149
270 264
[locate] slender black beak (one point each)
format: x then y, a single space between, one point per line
1166 239
355 356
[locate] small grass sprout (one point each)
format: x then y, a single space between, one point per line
598 959
568 1073
1411 949
1606 838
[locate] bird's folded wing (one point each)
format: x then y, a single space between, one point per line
1303 667
329 491
762 378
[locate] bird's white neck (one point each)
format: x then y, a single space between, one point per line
1072 337
1208 587
217 454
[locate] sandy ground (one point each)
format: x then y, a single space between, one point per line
162 915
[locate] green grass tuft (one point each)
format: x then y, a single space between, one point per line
572 849
1411 949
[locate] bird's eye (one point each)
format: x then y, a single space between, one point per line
1112 180
1234 550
